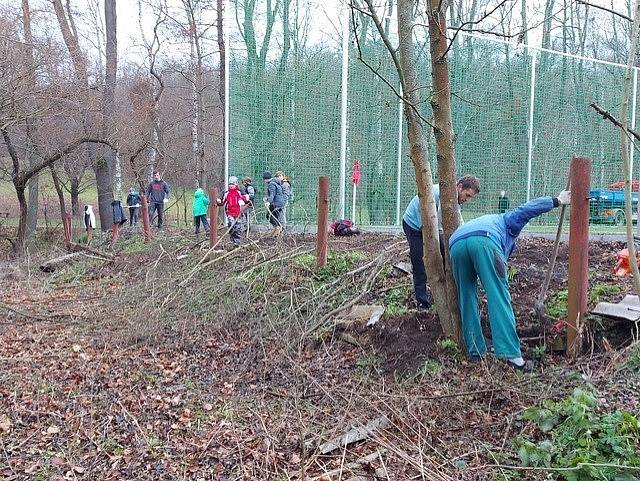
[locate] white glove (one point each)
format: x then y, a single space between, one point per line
564 197
165 200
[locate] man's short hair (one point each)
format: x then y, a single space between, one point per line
469 182
156 172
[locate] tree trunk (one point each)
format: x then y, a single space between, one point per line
58 187
74 190
30 154
107 160
419 154
626 162
218 166
70 36
546 25
445 138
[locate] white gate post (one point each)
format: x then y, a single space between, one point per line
399 160
532 96
343 112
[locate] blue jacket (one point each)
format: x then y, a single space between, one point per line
275 197
504 229
412 214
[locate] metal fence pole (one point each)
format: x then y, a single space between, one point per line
343 112
532 97
399 161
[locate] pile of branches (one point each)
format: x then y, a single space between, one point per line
268 284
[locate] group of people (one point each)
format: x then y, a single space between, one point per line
239 204
238 200
479 249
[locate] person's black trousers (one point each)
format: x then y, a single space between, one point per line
414 237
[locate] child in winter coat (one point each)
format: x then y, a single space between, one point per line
200 206
233 200
248 189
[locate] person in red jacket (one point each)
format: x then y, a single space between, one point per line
233 201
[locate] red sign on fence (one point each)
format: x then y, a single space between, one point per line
355 178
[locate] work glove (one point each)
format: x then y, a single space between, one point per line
564 197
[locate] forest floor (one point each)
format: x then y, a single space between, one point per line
173 362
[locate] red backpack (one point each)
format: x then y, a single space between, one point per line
232 201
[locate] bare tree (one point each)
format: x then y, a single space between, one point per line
156 135
30 126
222 72
626 91
109 157
70 36
404 60
445 138
20 177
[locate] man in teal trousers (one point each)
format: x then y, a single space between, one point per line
480 249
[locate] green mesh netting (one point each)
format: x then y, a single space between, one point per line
286 116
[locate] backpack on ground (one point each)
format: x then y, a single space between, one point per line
344 227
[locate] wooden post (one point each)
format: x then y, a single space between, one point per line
323 215
146 229
115 228
66 223
213 217
580 175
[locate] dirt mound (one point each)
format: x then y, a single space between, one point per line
405 341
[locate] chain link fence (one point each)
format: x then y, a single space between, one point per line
519 113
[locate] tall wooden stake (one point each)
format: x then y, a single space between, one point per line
578 252
323 216
213 217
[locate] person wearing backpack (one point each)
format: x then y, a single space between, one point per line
200 206
287 192
274 201
249 190
233 200
133 202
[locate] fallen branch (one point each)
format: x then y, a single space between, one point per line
75 247
355 434
52 264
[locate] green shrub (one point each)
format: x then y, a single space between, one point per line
581 443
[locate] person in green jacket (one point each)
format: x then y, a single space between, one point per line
200 207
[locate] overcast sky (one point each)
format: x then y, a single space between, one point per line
325 24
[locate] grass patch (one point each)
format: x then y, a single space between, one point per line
557 306
134 245
337 264
395 301
427 370
603 291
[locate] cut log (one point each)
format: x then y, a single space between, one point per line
84 248
53 264
355 434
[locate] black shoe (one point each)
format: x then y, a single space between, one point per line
424 306
528 365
